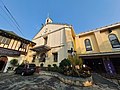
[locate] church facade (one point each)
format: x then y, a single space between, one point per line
99 48
52 43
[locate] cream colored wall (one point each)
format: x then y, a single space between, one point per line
29 56
39 41
80 45
49 28
69 39
118 33
62 37
99 41
105 45
61 55
56 40
49 60
53 40
94 44
105 40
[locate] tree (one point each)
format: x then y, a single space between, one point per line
76 61
65 66
64 63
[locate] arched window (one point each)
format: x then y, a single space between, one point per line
88 45
114 41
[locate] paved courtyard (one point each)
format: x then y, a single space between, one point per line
10 81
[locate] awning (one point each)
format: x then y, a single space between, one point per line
42 48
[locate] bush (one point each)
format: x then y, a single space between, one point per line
59 70
65 63
65 66
14 62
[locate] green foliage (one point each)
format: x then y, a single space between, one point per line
59 70
14 62
65 63
55 68
65 66
68 67
75 60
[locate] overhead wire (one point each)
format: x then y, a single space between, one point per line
11 17
18 26
6 15
6 20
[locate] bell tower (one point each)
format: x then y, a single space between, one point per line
48 20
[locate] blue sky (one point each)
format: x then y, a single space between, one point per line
84 15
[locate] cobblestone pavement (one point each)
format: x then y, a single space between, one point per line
99 80
9 81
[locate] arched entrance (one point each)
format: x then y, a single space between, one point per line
3 61
42 57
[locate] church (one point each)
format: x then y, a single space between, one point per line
99 48
53 42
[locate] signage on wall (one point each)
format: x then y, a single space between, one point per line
9 52
109 67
